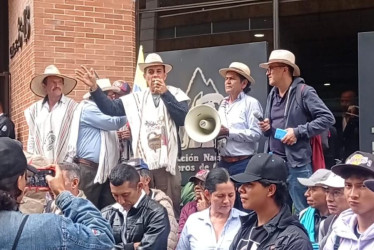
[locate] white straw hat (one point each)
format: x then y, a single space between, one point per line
282 56
239 68
154 59
105 85
36 84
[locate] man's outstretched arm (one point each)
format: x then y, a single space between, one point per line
108 107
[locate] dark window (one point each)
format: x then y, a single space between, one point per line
193 30
232 25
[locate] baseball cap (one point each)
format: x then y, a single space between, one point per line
137 163
319 176
333 180
201 175
123 86
369 184
360 161
12 159
263 166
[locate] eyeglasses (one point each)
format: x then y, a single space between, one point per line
270 69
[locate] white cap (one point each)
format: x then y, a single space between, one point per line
333 180
317 177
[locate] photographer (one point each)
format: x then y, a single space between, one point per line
81 227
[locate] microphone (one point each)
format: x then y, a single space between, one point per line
258 115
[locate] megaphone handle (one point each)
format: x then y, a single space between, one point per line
216 149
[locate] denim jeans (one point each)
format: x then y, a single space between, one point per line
297 190
233 169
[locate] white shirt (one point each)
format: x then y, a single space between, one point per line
244 130
198 232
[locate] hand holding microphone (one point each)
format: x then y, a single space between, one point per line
264 123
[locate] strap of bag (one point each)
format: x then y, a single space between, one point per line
299 98
337 242
20 229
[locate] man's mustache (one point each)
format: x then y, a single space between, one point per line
57 87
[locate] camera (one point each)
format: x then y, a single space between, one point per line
39 180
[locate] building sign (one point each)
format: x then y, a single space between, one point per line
24 32
195 71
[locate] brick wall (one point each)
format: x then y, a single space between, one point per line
70 33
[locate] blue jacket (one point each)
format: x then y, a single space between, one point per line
81 227
307 121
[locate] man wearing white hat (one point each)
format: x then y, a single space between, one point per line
240 130
336 203
49 119
317 211
94 146
295 108
154 115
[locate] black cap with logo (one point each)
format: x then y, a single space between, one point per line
263 166
360 161
12 158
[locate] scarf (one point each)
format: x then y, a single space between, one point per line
307 220
154 133
49 131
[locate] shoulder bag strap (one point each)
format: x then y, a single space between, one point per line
19 232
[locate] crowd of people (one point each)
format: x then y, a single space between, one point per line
116 184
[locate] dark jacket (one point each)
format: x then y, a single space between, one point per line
6 127
177 110
308 120
284 232
147 224
351 137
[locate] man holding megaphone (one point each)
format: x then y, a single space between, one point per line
240 130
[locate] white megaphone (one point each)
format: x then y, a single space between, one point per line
202 123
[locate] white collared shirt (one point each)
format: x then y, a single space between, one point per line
244 130
198 232
140 198
123 211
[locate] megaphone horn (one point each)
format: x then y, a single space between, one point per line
202 123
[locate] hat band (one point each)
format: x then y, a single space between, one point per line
237 70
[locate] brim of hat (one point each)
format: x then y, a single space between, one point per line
142 66
332 183
32 169
296 71
194 178
339 169
245 178
37 87
112 88
306 182
224 71
369 184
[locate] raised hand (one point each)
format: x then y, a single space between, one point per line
87 77
202 203
56 183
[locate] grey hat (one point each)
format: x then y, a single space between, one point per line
317 177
